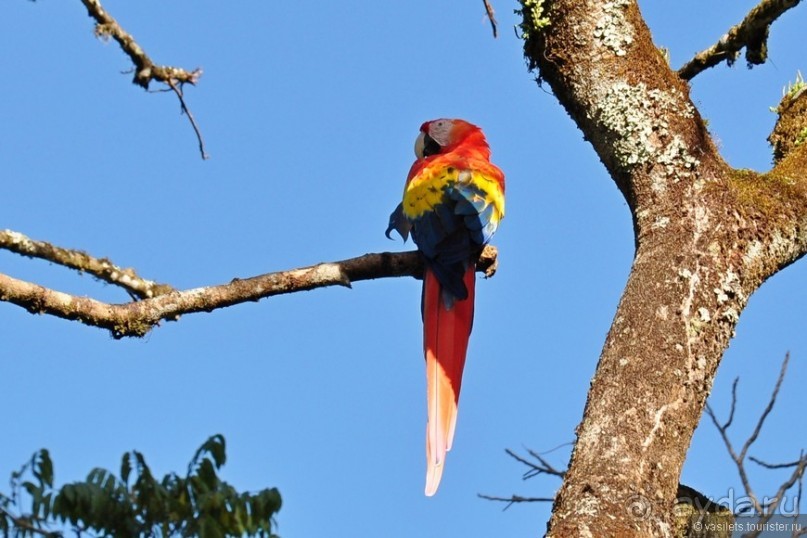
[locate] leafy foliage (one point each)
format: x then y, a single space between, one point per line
135 504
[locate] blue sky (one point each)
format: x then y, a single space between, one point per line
310 111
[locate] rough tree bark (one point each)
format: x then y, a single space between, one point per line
707 236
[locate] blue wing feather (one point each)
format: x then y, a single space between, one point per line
452 234
399 223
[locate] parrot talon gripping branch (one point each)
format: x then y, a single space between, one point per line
452 204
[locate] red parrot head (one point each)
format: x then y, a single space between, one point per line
444 135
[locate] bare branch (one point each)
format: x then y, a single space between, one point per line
797 511
751 33
145 69
515 499
733 403
180 94
542 467
795 477
739 459
492 18
768 408
102 269
786 465
534 469
139 317
722 429
770 509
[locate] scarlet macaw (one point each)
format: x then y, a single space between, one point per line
452 204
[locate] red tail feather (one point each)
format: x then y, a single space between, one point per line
445 342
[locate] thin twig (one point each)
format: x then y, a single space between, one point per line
768 408
797 511
535 469
139 317
734 457
543 467
102 269
546 467
145 69
178 90
733 403
770 509
492 18
515 499
751 33
766 465
739 458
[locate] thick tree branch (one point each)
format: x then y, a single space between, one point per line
751 33
790 131
145 70
707 237
139 317
102 269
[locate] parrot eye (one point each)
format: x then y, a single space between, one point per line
430 146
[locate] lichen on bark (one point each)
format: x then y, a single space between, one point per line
707 236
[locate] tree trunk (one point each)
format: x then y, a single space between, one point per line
707 236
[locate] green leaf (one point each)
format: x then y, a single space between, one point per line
208 474
96 476
216 447
47 502
42 468
125 468
32 489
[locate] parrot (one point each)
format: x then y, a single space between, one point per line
452 204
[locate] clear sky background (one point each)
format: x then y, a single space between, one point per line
310 111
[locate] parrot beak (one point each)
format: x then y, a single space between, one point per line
420 145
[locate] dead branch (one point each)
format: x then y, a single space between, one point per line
145 69
101 268
535 469
177 88
491 14
137 318
797 511
515 499
751 33
767 465
796 477
765 511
